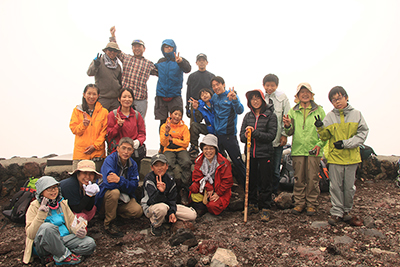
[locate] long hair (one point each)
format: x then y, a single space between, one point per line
85 105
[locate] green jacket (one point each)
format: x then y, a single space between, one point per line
348 125
305 136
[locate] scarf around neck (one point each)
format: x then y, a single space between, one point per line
208 170
110 63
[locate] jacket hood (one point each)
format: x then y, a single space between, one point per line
170 55
314 106
43 183
264 104
346 110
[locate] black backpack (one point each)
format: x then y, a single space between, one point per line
324 177
287 172
20 202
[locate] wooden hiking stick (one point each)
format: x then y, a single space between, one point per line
246 195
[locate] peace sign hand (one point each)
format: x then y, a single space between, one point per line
167 127
178 59
86 120
232 95
160 184
286 121
194 102
119 120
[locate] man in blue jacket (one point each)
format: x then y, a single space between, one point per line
170 78
117 192
227 106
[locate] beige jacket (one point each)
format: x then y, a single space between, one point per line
35 218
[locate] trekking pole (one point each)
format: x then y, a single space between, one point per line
246 195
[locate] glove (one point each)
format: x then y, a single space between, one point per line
91 189
318 123
136 144
81 233
339 144
43 205
97 59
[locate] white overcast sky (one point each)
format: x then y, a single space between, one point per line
47 47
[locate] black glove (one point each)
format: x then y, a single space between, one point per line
339 144
318 123
97 59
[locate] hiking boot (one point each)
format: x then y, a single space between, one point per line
194 151
184 197
297 210
265 215
252 209
46 260
311 211
347 217
113 231
156 231
333 220
70 260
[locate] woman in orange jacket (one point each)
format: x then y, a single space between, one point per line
89 125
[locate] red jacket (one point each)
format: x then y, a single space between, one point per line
132 128
223 179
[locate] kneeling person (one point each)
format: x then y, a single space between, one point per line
117 192
159 201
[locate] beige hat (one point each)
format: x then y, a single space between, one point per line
306 85
112 45
87 166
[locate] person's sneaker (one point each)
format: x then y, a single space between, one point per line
113 231
333 220
194 151
252 209
347 217
265 216
70 260
297 210
310 211
156 231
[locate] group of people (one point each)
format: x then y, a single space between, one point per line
114 108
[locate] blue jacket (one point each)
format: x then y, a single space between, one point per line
206 113
125 185
225 113
170 73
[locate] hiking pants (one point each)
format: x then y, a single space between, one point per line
342 187
230 144
195 130
180 166
306 180
260 179
276 164
157 213
49 242
112 207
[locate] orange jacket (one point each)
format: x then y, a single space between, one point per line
94 134
180 137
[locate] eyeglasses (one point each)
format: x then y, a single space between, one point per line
52 188
337 99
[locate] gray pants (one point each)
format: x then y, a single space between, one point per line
195 130
49 242
179 166
141 107
342 188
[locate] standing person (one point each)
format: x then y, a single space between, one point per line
226 108
50 232
174 138
126 122
170 78
306 149
262 123
281 108
107 76
136 72
197 81
117 192
345 130
89 125
212 179
201 110
81 188
159 200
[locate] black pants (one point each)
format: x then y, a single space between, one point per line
260 179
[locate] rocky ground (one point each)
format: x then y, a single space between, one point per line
286 240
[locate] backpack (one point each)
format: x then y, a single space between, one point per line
20 202
366 152
324 177
287 172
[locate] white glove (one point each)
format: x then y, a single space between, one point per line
91 189
81 233
136 144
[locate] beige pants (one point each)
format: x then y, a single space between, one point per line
306 183
157 212
126 210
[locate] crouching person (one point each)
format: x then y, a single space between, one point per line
159 201
51 232
212 179
117 192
